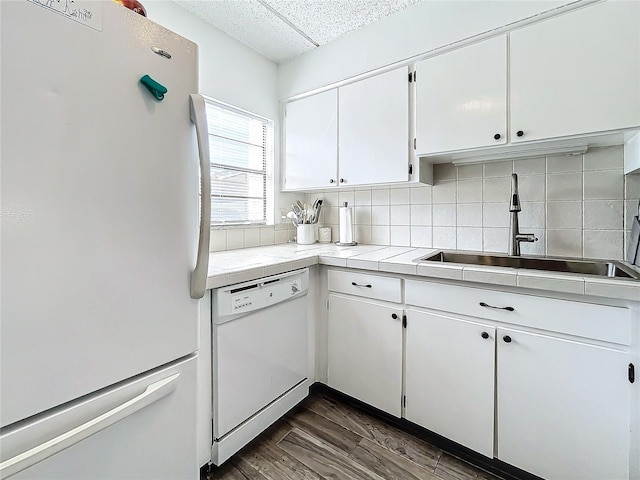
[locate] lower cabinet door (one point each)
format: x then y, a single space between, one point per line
563 407
450 378
365 351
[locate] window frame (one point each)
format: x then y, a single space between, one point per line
268 126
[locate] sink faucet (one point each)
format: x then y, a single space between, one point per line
515 237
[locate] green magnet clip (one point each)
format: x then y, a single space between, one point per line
156 89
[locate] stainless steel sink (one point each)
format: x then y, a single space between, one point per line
584 267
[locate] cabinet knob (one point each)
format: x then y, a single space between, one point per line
394 316
520 133
497 136
507 339
342 180
332 181
485 335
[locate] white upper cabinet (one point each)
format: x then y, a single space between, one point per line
461 98
373 139
574 75
577 73
311 142
357 134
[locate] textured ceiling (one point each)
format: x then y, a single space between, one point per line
283 29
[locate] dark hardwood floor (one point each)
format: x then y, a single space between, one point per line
326 438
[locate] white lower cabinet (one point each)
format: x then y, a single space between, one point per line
551 377
449 372
365 351
539 383
562 407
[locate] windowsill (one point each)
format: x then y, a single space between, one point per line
276 226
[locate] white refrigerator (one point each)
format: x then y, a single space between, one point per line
102 256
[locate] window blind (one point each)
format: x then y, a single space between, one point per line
238 146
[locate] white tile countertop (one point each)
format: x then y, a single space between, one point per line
235 266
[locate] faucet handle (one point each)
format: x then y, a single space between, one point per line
526 237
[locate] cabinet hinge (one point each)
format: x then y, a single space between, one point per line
327 304
410 169
415 76
410 77
632 373
404 401
414 144
404 321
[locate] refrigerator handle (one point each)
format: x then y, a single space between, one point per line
200 272
151 394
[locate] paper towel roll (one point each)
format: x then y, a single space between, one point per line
346 224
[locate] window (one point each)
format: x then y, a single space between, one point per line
240 145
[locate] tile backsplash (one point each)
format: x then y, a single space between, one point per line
577 206
230 238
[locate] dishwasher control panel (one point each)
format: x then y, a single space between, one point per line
242 302
296 286
249 296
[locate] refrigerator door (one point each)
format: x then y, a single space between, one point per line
99 195
152 438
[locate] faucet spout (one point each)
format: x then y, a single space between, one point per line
514 201
515 237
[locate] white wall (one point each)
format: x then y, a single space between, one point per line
418 29
230 72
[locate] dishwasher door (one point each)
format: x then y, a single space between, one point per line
260 355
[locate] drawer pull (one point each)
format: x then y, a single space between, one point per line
508 309
507 339
485 335
356 285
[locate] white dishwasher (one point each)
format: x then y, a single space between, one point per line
259 359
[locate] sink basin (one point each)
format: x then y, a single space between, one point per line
584 267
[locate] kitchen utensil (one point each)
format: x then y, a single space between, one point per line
634 239
297 211
294 218
633 248
317 207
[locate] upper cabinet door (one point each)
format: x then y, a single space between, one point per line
311 142
461 98
374 129
577 73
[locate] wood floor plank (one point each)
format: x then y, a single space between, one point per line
232 471
276 464
452 468
369 427
321 458
324 429
388 464
325 438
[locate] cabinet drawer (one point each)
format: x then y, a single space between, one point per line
363 285
600 322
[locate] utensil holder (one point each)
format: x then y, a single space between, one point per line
306 234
